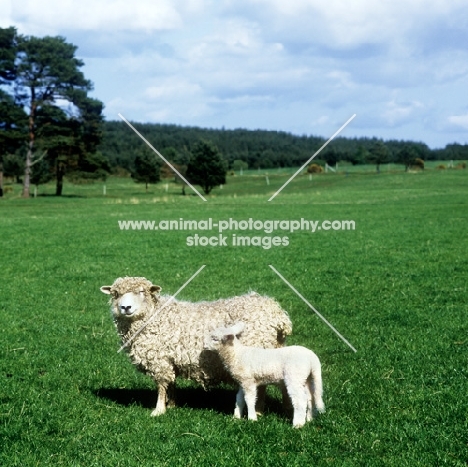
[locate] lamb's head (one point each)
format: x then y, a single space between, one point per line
131 297
223 336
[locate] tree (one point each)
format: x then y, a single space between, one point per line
407 155
10 112
239 164
359 156
47 75
71 143
41 173
379 154
13 125
147 168
206 167
8 42
330 156
13 167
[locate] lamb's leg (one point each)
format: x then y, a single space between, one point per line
240 404
310 407
317 388
161 404
260 404
250 395
287 404
299 398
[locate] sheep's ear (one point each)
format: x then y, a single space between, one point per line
106 289
155 289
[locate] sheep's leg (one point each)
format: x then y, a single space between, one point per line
161 404
170 395
250 395
240 404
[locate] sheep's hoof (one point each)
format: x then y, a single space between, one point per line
158 411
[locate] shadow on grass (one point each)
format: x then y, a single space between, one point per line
220 400
51 195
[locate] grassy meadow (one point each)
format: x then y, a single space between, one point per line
395 287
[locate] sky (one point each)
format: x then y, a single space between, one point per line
300 66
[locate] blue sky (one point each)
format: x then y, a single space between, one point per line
301 66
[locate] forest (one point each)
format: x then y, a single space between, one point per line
261 148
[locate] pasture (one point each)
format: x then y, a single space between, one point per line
395 287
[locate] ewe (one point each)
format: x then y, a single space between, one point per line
295 367
165 337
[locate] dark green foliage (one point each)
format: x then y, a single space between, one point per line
330 155
206 167
259 149
379 154
45 74
407 155
8 42
13 166
41 173
147 168
13 124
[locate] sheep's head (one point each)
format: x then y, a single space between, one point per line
131 297
223 336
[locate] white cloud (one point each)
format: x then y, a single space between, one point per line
397 113
459 121
346 24
92 15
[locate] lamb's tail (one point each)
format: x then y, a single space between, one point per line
315 385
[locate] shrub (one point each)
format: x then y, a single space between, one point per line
314 169
417 164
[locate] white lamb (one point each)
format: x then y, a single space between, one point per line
295 367
164 337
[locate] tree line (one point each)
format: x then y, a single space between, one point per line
263 149
51 129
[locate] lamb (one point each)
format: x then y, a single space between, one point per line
165 337
296 368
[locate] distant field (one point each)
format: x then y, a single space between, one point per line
395 287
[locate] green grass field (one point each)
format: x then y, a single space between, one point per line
395 287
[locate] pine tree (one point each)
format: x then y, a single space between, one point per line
206 167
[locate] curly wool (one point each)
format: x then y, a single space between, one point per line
172 342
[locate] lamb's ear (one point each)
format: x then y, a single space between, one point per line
154 289
106 289
228 338
237 328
